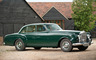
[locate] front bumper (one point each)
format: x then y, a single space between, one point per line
82 44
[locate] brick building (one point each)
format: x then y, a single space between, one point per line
55 12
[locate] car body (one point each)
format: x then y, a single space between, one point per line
39 35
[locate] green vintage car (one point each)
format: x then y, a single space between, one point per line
40 35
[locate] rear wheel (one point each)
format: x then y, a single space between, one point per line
37 48
66 45
82 48
19 45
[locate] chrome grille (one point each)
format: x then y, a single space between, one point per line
82 37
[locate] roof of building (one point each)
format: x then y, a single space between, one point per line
54 14
42 7
0 0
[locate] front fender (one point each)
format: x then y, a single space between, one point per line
73 38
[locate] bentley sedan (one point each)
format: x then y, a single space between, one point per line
40 35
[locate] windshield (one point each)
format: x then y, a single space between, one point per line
53 27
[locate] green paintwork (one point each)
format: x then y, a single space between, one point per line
42 39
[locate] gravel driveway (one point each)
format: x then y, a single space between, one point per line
9 53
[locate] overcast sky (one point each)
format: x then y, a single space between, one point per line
49 0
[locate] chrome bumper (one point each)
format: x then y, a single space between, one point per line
82 44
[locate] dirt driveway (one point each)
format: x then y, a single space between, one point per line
9 53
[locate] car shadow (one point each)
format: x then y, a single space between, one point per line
43 50
57 50
79 51
47 50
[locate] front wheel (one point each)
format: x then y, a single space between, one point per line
82 48
19 45
66 45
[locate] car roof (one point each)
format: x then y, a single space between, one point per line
35 24
39 24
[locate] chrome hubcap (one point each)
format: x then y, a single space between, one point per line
65 45
19 45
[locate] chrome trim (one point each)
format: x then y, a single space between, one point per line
82 32
65 45
80 44
92 42
89 37
82 37
3 43
76 44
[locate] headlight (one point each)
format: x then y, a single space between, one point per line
79 37
89 37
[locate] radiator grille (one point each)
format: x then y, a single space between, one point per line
83 37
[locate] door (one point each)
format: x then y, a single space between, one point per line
30 32
44 37
41 36
36 35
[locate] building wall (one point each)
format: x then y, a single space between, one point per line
69 24
14 14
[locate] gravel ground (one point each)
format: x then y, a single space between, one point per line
9 53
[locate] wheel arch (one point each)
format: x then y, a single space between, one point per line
62 39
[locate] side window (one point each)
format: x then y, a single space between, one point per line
40 28
23 30
31 29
